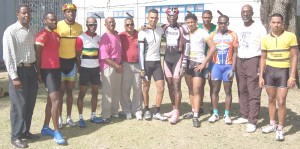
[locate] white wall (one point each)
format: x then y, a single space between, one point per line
231 8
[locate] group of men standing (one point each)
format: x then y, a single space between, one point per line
129 59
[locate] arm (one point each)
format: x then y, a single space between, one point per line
78 47
262 68
141 54
210 53
113 64
38 51
294 55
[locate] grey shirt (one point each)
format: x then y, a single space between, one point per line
18 47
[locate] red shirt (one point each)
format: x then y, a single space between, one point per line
130 47
50 55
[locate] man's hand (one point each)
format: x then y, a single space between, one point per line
40 78
17 83
291 82
143 27
143 75
230 74
261 82
199 67
119 68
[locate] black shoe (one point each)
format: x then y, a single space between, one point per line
196 122
188 115
19 143
201 111
30 136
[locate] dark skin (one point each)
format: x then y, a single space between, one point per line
24 17
70 16
91 25
53 98
247 13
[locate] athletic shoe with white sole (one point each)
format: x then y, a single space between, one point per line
251 128
213 118
147 115
196 122
240 120
128 116
158 116
138 115
188 115
169 114
268 129
58 138
279 135
70 122
227 119
175 117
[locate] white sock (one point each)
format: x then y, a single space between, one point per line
80 116
68 116
195 114
93 114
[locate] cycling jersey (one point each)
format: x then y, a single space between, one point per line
68 34
225 43
197 45
212 29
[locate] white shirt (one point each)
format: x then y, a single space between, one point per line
250 39
197 45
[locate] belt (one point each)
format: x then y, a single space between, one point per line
26 64
132 62
249 58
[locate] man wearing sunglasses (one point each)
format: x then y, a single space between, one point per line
87 46
131 75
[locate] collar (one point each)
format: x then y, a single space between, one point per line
278 35
19 25
127 34
88 33
219 32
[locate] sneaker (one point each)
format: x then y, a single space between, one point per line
240 120
147 115
196 122
128 116
158 116
213 118
107 120
227 119
60 122
81 123
46 131
169 114
175 117
251 128
97 120
279 135
188 115
71 122
268 129
138 115
115 116
58 138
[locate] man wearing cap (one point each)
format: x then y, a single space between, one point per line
68 30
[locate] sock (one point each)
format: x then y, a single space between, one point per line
80 116
93 114
156 110
68 116
215 111
196 115
147 108
280 127
272 122
193 110
60 120
226 112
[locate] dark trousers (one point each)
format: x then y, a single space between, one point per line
248 87
22 101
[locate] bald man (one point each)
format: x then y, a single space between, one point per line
111 69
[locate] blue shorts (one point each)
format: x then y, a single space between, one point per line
69 76
219 72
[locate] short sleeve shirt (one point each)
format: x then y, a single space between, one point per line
130 47
197 45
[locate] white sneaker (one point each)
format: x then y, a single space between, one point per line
227 119
240 120
158 116
138 115
71 122
279 135
213 118
268 129
251 128
128 116
147 115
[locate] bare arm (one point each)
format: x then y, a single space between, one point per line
210 53
294 60
262 68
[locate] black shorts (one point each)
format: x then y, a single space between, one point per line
154 68
52 79
89 75
276 77
190 69
67 65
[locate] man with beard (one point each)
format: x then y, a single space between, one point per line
48 70
223 69
111 69
68 30
19 58
87 49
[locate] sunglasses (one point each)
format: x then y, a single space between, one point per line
221 23
129 24
92 24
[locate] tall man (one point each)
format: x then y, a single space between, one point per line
111 69
174 65
131 75
226 42
149 59
68 30
48 70
247 68
87 49
19 58
279 53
